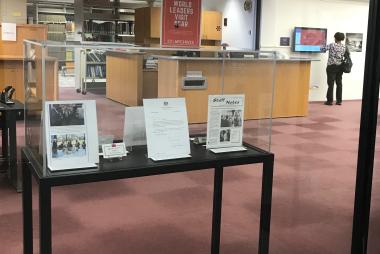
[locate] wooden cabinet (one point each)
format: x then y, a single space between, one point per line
211 25
155 22
148 26
11 74
12 65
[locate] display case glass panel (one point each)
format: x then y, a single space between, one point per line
117 76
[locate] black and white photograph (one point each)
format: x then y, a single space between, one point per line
66 114
68 146
225 135
354 42
231 118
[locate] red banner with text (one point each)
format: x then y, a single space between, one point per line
181 23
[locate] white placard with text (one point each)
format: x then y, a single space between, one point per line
167 129
225 121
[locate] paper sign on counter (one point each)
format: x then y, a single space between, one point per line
8 32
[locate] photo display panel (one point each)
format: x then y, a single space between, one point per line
71 134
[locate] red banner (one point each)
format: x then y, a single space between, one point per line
181 23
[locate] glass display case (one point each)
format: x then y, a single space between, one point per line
132 74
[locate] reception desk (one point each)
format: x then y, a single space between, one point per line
255 78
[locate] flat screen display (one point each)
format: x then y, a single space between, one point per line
307 39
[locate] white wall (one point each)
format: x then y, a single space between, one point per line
279 17
13 11
239 32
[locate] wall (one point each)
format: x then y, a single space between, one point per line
13 11
279 17
239 32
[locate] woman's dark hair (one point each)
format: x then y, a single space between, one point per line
339 36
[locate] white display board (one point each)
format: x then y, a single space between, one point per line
225 122
167 129
71 134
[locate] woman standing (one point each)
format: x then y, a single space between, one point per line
334 70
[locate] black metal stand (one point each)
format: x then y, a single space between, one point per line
9 115
137 165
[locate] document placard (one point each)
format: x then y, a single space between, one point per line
8 32
225 121
71 134
167 129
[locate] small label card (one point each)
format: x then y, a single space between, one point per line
114 150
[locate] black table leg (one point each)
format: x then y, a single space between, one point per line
4 137
4 147
266 205
12 143
45 218
27 211
217 210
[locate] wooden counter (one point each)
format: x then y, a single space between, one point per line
128 83
254 78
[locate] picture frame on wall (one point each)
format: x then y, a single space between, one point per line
354 42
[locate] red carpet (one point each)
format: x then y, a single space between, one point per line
313 197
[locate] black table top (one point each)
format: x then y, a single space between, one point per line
16 106
136 164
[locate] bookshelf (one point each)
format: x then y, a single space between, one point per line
94 70
58 18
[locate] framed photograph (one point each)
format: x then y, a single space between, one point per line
65 146
354 42
66 114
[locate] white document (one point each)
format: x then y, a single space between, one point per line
8 32
71 134
167 129
134 127
225 121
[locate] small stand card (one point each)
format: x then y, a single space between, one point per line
71 134
114 150
225 123
167 129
